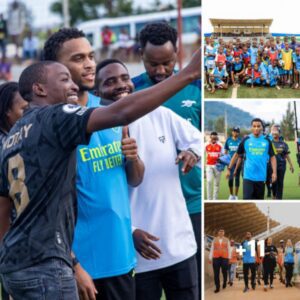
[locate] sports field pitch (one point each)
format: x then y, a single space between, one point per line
291 188
256 92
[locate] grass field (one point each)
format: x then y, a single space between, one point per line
218 94
291 188
257 92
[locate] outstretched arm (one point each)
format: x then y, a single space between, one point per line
134 106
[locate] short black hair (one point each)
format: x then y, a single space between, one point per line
213 133
35 73
103 64
258 120
7 94
57 39
107 62
158 34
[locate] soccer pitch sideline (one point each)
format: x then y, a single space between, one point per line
291 189
257 92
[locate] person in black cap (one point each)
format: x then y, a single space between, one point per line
231 147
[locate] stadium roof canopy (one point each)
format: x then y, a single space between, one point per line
242 22
241 27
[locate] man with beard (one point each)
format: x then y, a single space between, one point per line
159 54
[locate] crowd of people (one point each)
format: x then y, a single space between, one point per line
260 158
225 255
100 189
269 62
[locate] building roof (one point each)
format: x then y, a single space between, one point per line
241 22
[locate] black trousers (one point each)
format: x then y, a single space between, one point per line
180 282
277 186
246 268
288 272
236 177
269 267
220 263
116 288
196 222
253 190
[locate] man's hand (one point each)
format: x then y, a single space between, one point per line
274 177
86 287
189 160
129 146
292 169
144 245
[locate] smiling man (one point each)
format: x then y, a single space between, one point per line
110 157
162 230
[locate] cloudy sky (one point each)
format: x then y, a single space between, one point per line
286 213
285 18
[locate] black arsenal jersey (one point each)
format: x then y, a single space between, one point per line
38 174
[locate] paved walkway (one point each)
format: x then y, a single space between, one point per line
236 292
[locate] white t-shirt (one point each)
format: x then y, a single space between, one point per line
157 204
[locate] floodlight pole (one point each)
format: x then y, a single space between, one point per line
179 27
66 13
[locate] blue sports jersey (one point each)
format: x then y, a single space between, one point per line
257 150
187 104
210 50
273 72
237 67
103 241
253 54
263 69
231 145
296 61
247 258
219 75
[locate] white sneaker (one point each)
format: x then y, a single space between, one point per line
236 197
231 197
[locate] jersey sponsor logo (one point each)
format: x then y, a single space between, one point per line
71 108
187 103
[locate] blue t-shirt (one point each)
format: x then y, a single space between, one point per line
296 61
187 104
103 241
253 54
273 72
237 67
247 258
219 75
231 145
289 255
257 151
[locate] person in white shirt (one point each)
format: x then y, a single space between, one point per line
163 233
30 46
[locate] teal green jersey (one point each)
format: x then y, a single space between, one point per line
187 104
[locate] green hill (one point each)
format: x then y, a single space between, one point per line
235 116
